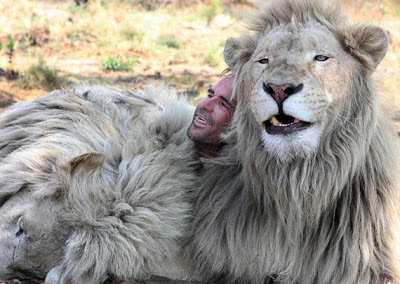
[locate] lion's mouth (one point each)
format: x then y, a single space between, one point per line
284 124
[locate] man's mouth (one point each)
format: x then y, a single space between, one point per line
203 119
200 119
284 124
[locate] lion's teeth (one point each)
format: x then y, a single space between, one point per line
296 120
274 121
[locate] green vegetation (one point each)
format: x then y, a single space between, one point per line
122 63
168 79
169 41
213 56
74 9
188 79
211 11
132 35
77 35
367 7
10 49
384 10
89 42
40 76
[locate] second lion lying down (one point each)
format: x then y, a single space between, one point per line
104 171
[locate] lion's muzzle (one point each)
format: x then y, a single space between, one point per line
282 123
281 92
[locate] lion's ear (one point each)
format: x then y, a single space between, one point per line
86 162
369 44
80 172
238 51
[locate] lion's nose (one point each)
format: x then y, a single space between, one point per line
281 92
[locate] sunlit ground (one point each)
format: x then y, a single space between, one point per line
181 47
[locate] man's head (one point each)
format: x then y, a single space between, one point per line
212 115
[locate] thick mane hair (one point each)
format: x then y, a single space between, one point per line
323 218
273 13
104 175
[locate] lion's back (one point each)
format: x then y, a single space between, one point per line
94 158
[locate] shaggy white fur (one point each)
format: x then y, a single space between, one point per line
95 182
304 191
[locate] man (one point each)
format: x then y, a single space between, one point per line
212 115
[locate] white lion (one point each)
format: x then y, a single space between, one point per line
95 182
304 191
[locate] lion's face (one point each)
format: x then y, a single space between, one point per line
32 236
295 83
298 75
33 228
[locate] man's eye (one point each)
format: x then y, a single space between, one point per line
226 104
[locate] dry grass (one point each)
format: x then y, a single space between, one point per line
79 39
182 47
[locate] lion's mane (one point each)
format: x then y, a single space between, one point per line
323 218
94 182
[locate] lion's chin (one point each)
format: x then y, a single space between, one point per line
299 144
284 124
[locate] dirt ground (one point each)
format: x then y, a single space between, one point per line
80 59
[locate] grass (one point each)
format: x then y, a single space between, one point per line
10 48
40 76
121 63
185 79
132 35
212 56
211 10
123 36
395 8
168 41
118 28
74 9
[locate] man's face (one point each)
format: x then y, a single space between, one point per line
213 114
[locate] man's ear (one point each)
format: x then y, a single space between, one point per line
368 44
238 51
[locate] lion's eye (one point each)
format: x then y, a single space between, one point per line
263 61
321 58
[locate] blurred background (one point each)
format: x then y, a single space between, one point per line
48 44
